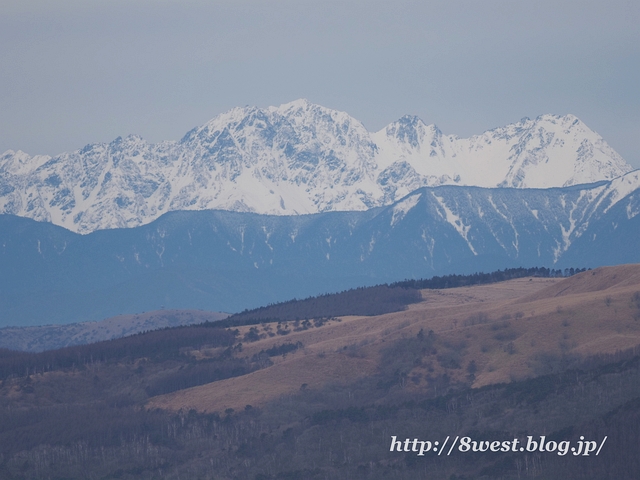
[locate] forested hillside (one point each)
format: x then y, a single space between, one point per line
380 299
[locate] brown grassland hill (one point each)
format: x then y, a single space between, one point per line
510 330
321 397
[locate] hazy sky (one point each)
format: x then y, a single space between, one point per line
77 72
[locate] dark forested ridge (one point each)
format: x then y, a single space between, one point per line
358 301
481 278
379 299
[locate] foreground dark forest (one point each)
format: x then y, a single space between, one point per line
82 413
87 422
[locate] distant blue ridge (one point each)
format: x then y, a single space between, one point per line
230 261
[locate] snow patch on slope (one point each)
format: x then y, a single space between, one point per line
455 221
401 209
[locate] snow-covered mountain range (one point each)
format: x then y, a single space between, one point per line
298 158
228 261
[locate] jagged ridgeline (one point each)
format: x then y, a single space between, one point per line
281 161
378 299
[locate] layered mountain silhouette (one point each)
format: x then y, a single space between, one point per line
229 261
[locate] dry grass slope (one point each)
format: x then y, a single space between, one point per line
485 334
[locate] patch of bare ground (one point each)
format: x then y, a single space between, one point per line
483 335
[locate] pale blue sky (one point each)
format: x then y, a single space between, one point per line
77 72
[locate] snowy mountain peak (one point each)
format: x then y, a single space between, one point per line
299 105
411 133
293 159
19 162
